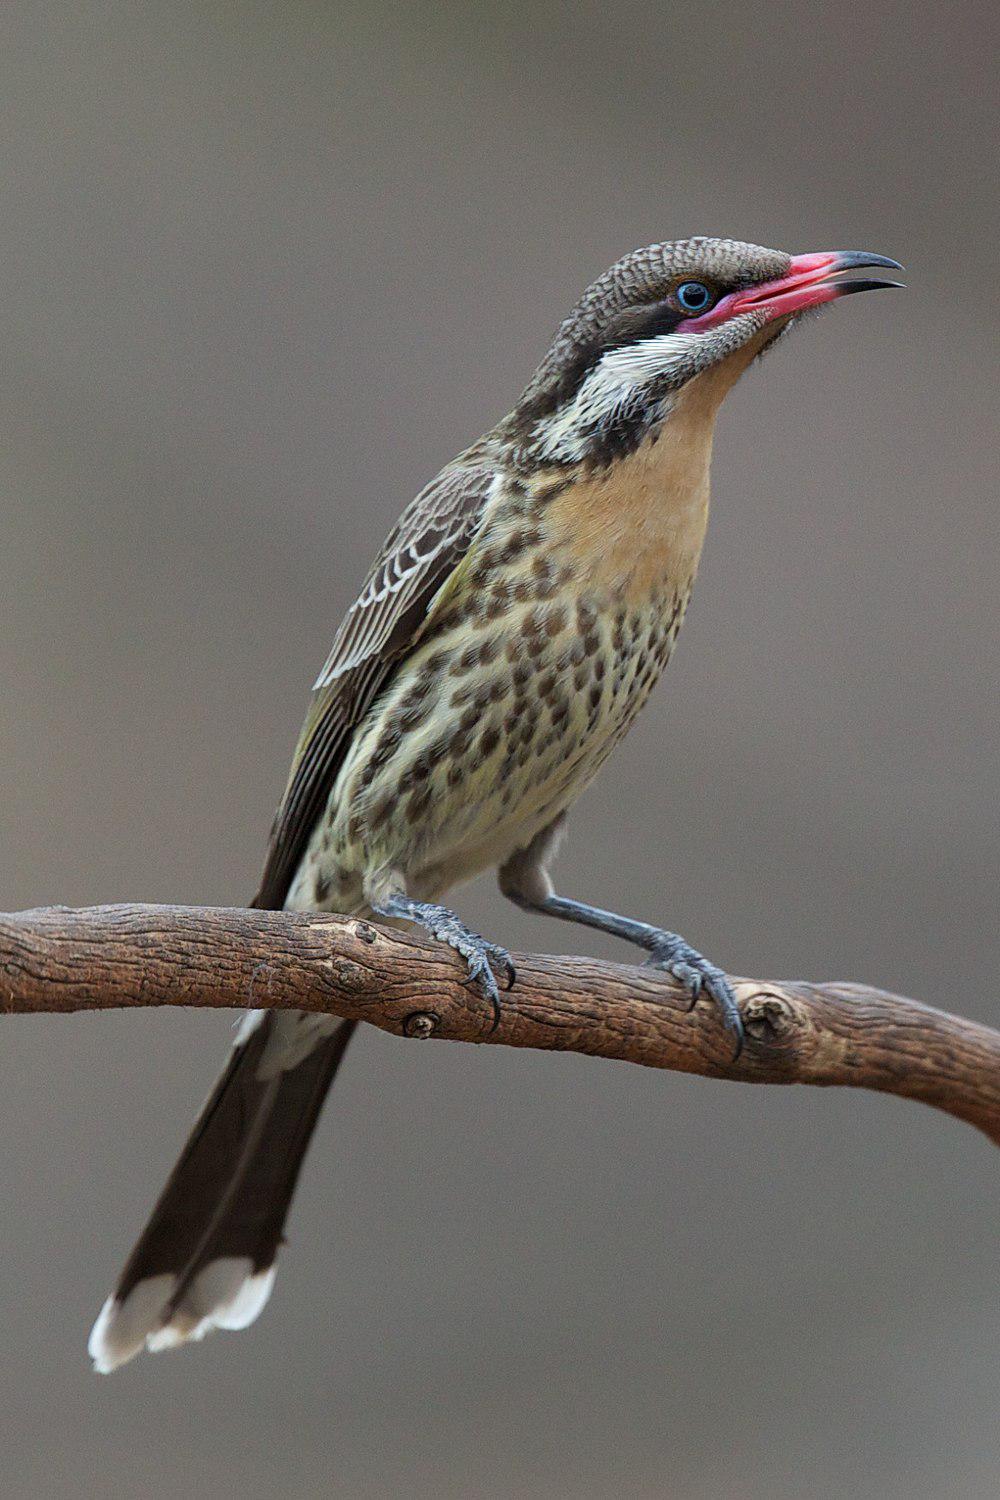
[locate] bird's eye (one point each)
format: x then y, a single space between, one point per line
693 296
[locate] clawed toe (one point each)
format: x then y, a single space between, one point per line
690 978
480 958
483 960
501 959
698 976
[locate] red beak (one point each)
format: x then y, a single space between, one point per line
805 285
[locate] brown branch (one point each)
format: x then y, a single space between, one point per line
58 959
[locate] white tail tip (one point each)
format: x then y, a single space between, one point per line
227 1293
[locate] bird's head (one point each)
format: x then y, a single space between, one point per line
660 318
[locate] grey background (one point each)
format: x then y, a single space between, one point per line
264 268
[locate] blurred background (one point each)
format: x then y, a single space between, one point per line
264 268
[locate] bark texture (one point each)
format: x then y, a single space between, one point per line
97 958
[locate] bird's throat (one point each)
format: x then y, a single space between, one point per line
639 523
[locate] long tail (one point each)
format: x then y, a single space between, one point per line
206 1258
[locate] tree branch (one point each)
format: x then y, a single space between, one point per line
97 958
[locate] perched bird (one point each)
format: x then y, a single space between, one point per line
508 633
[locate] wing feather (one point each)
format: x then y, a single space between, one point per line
385 621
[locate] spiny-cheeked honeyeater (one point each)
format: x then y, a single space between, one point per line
509 631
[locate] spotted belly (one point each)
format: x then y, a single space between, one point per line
485 734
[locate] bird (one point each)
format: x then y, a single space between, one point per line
510 629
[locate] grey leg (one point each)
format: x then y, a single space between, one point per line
525 880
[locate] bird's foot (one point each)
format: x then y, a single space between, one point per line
482 958
670 952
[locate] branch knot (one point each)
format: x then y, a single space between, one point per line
421 1024
770 1016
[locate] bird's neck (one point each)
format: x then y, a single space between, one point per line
637 524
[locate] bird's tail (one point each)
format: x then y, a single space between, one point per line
206 1258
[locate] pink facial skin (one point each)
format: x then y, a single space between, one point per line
804 286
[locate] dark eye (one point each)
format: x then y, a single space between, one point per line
693 296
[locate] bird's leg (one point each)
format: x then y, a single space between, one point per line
526 881
480 956
667 950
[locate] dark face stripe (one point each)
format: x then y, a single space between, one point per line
631 326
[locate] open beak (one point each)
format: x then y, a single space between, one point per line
806 284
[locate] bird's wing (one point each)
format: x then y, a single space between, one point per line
387 618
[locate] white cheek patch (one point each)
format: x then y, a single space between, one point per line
618 383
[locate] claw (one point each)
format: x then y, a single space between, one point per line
483 973
480 956
481 976
698 976
501 959
689 978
